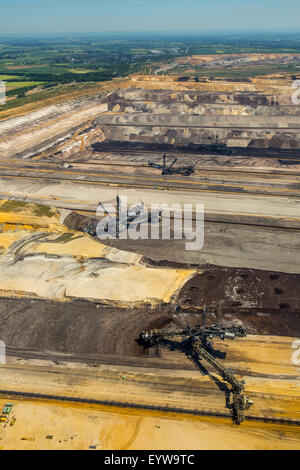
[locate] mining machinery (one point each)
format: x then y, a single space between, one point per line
122 219
196 342
170 170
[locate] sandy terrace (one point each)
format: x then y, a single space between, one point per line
59 264
55 425
44 425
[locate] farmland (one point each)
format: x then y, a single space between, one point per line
21 84
42 67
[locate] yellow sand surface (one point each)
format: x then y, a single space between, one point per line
45 425
51 261
274 395
78 426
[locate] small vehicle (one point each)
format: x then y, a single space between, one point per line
6 412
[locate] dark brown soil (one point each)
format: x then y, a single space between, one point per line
89 329
256 150
75 327
268 303
264 301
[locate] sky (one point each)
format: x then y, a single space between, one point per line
96 16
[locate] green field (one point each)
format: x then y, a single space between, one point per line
23 84
8 77
80 70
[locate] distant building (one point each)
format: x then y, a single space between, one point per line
2 93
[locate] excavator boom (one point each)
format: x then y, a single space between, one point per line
197 342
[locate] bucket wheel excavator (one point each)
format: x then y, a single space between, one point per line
196 343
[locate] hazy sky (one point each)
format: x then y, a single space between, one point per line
37 16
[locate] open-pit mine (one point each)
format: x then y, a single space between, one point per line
195 349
